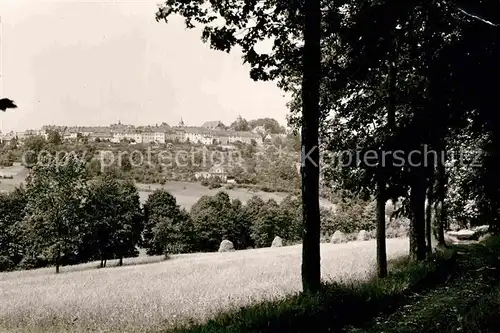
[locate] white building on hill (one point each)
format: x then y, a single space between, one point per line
220 172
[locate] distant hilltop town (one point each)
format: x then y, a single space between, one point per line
211 132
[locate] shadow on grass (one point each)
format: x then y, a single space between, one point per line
93 265
483 315
338 305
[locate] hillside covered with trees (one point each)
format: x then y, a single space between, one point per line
62 216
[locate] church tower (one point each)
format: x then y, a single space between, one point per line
181 123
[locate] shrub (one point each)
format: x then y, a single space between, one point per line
350 216
214 185
6 264
392 233
399 223
350 237
267 189
30 262
6 163
372 234
325 238
390 208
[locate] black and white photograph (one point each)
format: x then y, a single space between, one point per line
260 166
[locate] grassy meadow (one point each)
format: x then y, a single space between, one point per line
187 194
159 294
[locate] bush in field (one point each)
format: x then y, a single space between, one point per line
400 224
392 233
328 221
32 262
214 185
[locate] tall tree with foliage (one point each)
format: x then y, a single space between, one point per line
242 225
425 91
270 125
290 219
240 124
213 220
167 227
102 210
32 150
266 224
115 220
130 222
295 29
55 197
54 137
12 206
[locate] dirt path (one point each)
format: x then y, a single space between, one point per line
444 308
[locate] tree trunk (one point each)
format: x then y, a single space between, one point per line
417 203
120 261
58 258
381 240
492 186
391 87
58 245
428 213
102 259
311 266
440 208
382 173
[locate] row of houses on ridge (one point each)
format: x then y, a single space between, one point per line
209 133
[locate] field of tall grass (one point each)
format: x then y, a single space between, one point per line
159 294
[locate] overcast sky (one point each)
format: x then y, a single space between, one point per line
70 62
